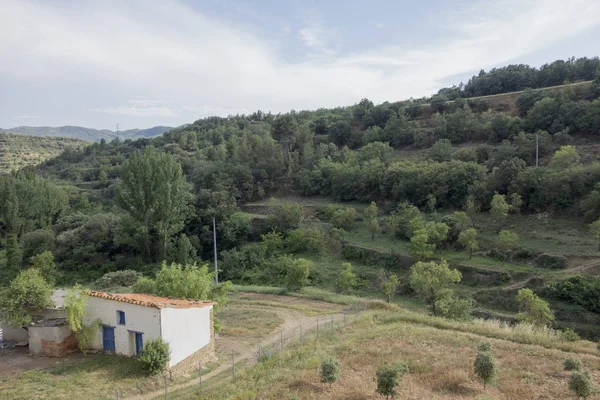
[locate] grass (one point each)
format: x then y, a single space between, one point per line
440 365
238 321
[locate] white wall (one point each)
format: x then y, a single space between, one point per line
187 330
10 334
137 318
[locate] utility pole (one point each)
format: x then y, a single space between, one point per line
537 149
215 251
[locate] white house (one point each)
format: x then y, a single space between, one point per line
130 320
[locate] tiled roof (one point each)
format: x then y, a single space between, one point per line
147 300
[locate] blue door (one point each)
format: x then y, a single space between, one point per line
139 343
108 338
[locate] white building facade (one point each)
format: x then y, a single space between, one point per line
130 320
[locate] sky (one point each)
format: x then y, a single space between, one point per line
142 63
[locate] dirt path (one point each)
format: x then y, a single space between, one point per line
246 349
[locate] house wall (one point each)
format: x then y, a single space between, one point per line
137 318
187 330
52 341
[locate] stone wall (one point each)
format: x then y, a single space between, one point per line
189 366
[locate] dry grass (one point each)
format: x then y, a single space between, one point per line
238 321
440 363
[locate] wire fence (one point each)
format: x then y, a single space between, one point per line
313 330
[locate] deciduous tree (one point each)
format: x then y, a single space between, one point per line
431 281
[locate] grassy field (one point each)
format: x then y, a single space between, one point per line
439 357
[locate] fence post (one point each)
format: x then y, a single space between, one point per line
117 395
300 333
344 318
366 304
200 371
233 364
166 390
317 328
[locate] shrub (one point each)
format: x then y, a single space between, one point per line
485 367
573 364
484 346
581 384
454 308
569 335
347 279
311 240
344 219
326 212
155 356
126 277
330 371
144 285
551 261
387 381
297 274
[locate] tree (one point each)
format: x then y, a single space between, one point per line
390 286
565 157
153 190
347 279
441 151
419 246
370 215
431 281
472 208
75 308
13 257
437 232
516 202
185 252
485 367
330 371
499 210
388 380
507 240
344 218
594 228
28 292
44 262
533 309
297 274
581 384
468 239
283 216
155 355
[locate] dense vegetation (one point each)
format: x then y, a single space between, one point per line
134 204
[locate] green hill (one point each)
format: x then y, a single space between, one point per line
93 135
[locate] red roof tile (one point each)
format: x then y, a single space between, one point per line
147 300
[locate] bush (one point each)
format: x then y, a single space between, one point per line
330 371
155 356
311 240
126 277
485 367
346 280
569 335
581 384
144 285
551 261
326 212
573 364
297 274
455 308
344 219
484 346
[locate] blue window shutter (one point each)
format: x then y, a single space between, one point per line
121 317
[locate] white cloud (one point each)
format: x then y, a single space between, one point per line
167 50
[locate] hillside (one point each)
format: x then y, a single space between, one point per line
18 151
89 134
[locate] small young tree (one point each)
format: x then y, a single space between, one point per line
75 308
330 371
499 210
485 367
507 240
431 280
437 232
516 202
387 381
370 212
373 226
581 384
594 228
419 247
468 239
28 292
389 287
533 309
155 356
347 279
472 207
283 216
297 274
344 218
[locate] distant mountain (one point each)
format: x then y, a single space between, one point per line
89 134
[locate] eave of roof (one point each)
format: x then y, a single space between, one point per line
147 300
